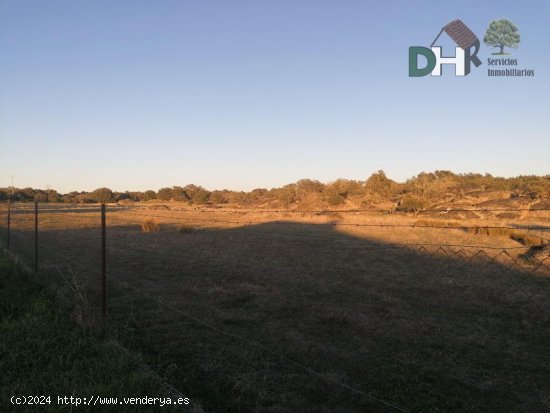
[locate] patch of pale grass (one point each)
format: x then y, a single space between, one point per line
150 225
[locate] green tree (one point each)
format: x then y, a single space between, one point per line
502 33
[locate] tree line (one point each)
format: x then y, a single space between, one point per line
413 194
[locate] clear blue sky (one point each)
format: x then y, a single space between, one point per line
243 94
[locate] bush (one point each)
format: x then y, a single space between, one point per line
149 194
150 225
217 197
286 194
185 229
411 203
334 197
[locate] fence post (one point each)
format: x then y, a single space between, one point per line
9 223
103 266
35 236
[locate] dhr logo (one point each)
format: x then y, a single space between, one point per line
465 39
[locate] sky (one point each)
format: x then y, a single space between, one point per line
136 95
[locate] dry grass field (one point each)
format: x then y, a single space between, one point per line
286 311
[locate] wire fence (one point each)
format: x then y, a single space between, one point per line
229 291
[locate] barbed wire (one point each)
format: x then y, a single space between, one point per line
154 244
332 211
351 224
30 206
256 344
246 340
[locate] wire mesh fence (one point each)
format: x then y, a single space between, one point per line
255 303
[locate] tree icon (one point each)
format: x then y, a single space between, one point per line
502 33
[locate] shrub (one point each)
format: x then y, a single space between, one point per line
286 194
217 197
185 229
150 225
411 203
149 194
333 197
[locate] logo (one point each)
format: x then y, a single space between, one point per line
465 52
500 34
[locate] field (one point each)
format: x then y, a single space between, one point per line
250 310
43 353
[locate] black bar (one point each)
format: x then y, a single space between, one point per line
9 223
103 266
35 236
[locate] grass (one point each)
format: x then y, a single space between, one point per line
43 353
428 333
185 228
150 225
519 236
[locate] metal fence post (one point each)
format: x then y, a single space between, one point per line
9 223
35 236
103 266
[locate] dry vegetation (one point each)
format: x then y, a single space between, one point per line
149 225
367 299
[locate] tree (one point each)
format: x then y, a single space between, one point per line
53 196
201 196
102 195
218 197
41 197
502 33
164 194
379 185
309 186
147 195
286 194
180 194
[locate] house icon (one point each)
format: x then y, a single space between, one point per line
465 39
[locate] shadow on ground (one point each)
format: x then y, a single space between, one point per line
287 317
